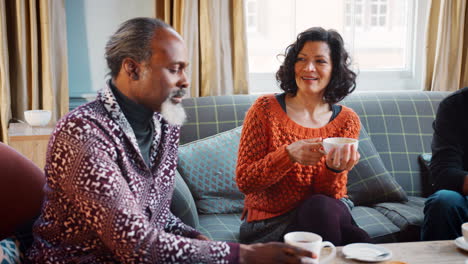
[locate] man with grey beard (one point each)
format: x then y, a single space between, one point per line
111 164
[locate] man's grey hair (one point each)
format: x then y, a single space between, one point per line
131 40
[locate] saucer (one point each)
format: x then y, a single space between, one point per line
461 243
366 252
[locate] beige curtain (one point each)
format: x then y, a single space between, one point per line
214 31
447 46
33 59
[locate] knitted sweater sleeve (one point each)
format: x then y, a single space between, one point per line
96 186
175 226
257 166
331 183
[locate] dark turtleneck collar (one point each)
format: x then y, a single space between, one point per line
140 119
133 111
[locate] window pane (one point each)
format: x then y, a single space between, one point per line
348 20
383 9
358 22
358 9
252 6
251 21
382 21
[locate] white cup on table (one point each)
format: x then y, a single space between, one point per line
311 242
464 228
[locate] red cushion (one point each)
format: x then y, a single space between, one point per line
21 190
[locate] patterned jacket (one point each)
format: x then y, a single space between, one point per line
104 205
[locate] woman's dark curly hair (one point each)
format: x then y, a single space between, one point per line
343 79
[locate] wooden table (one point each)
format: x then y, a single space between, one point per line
441 252
30 141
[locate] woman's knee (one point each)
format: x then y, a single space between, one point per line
320 204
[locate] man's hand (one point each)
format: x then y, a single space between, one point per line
273 252
465 186
202 237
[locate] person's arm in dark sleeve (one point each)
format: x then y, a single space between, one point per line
447 150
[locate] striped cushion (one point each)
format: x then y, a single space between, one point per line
379 228
408 217
369 181
404 214
208 167
400 126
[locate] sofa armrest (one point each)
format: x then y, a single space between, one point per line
183 204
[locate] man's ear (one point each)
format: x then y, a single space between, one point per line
131 68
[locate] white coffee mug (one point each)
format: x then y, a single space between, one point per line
312 242
464 228
338 142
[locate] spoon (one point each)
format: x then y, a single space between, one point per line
381 255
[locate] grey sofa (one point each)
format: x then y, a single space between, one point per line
399 123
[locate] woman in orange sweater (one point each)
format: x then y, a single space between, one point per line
289 183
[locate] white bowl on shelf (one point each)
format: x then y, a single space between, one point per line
37 117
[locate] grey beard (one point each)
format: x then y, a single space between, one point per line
173 113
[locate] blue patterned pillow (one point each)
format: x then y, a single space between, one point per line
9 252
208 167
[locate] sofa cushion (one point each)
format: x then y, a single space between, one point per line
404 214
9 251
379 227
221 227
408 217
21 191
182 204
369 181
208 167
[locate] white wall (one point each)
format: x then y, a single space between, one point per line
89 25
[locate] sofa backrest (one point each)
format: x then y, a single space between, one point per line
398 122
211 115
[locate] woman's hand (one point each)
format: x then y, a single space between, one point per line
343 158
306 151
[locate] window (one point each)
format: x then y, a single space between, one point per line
384 38
252 16
354 12
378 13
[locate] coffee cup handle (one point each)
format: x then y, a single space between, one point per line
332 254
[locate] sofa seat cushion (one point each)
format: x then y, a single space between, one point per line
369 182
9 251
221 227
404 214
379 227
208 167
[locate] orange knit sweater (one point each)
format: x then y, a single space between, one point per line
272 183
